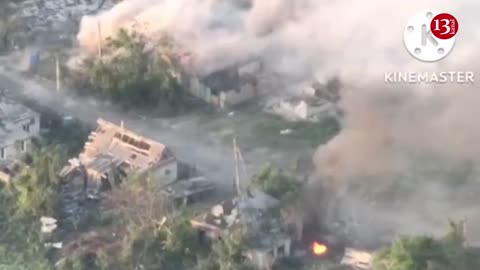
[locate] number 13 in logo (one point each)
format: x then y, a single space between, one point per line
444 26
429 36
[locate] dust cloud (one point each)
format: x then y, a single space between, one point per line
297 40
418 142
405 162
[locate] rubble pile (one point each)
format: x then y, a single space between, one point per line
41 15
72 199
313 104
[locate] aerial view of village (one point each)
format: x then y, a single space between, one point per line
239 134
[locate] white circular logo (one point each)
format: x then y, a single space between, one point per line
421 43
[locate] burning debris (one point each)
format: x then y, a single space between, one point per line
319 249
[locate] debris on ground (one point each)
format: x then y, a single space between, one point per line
57 245
190 190
49 224
285 131
357 259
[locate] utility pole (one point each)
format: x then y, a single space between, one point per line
99 43
238 158
236 184
242 161
57 73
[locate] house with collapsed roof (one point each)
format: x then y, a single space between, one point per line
113 149
268 239
225 87
301 109
18 126
313 103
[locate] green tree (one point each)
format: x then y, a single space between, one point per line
134 75
413 253
428 253
31 194
34 192
172 245
21 247
229 252
36 187
277 183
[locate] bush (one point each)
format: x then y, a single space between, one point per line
173 246
277 183
31 194
428 253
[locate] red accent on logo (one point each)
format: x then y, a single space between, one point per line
444 26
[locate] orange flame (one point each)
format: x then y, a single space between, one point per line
319 249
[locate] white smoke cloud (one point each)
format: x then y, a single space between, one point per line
386 127
298 39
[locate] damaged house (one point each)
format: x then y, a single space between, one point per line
267 238
18 126
301 109
226 87
317 101
112 150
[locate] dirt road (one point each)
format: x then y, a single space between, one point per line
214 159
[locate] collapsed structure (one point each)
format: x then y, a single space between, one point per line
112 150
189 190
18 126
225 87
267 238
40 15
301 109
315 102
357 259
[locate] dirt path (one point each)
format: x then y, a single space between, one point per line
189 143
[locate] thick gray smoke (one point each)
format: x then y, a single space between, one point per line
296 39
406 162
416 138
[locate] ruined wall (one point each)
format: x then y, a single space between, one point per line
167 171
247 92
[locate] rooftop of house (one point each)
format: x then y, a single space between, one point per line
111 144
246 207
13 111
251 209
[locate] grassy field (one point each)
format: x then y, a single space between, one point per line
257 129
